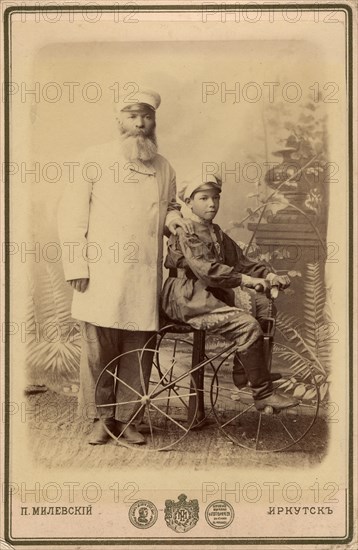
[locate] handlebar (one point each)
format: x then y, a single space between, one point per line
274 290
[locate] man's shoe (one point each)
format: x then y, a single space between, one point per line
99 435
277 401
130 434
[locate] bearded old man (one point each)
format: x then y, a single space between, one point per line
111 224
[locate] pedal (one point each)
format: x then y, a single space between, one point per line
269 411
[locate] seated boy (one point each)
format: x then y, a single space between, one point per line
209 267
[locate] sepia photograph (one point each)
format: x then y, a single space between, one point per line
178 265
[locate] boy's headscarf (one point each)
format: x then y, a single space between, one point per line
199 182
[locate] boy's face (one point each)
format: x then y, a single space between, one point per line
205 204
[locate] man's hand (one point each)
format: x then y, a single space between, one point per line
184 223
281 281
79 284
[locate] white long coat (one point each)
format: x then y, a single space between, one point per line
111 224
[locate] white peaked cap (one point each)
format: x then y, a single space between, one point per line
133 100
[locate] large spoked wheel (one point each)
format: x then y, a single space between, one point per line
266 431
177 347
159 411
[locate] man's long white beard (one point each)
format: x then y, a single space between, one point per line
139 147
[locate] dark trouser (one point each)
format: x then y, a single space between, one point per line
130 378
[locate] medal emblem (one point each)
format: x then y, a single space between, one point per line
183 515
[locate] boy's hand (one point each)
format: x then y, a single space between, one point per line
79 284
260 285
281 281
185 223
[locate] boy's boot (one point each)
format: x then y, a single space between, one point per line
239 375
260 379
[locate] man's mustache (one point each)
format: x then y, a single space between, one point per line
138 132
134 133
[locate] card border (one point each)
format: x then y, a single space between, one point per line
349 80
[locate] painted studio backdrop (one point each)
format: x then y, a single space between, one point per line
244 108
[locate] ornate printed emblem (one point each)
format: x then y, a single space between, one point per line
219 514
181 516
143 514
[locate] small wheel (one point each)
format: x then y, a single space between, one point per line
268 430
159 410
